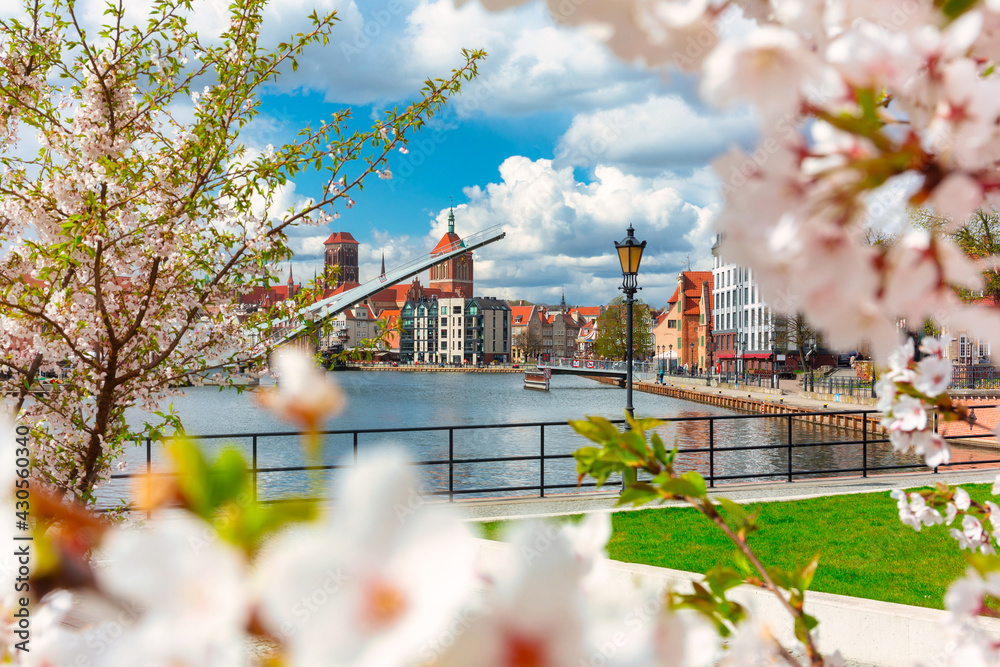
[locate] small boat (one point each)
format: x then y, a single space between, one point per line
536 380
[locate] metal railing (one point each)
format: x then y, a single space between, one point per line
852 387
580 364
705 457
975 376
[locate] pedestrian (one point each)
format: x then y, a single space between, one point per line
659 376
853 360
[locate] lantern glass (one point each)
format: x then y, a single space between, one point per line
630 253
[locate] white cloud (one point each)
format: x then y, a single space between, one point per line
384 52
561 232
662 131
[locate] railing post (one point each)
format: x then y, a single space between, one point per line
355 449
864 444
541 462
451 465
711 452
789 447
253 484
149 476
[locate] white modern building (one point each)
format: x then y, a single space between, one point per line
743 325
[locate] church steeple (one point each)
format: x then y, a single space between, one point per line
290 281
451 220
562 304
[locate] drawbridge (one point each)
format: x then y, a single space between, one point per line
290 329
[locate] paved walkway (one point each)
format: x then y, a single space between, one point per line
789 393
522 508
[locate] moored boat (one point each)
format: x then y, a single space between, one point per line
536 380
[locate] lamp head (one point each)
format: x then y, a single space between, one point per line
630 256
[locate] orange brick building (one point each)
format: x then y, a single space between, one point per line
685 328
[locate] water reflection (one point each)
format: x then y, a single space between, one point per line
409 400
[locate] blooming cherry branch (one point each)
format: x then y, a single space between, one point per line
128 238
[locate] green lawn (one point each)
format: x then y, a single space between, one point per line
865 550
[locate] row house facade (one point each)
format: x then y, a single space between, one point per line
682 333
350 327
540 333
455 330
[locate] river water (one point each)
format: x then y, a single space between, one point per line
408 400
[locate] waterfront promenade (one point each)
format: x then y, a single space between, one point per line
757 492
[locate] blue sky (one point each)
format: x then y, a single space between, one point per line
557 141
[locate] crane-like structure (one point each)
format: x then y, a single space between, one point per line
282 332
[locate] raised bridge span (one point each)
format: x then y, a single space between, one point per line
600 367
321 311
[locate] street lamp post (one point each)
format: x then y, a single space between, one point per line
670 358
709 348
629 255
809 359
691 357
774 362
739 359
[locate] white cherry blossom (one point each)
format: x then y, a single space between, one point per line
370 585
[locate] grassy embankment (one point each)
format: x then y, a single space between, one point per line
865 550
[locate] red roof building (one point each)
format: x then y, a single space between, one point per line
340 252
684 329
455 275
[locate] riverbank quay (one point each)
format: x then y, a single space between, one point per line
761 402
786 401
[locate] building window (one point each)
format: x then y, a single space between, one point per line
456 309
444 345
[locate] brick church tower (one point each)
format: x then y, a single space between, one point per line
340 250
454 275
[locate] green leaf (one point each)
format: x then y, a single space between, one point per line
734 511
983 564
638 494
679 487
696 481
955 8
721 579
659 450
803 625
806 573
742 564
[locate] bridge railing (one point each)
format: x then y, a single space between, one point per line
598 364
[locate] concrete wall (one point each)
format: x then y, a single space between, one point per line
876 633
